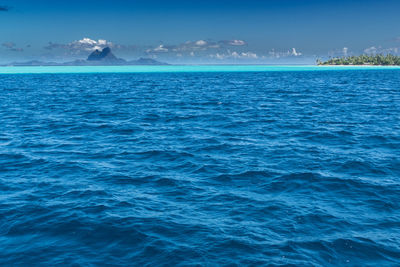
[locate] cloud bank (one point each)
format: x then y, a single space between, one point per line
373 50
12 47
283 54
234 55
80 46
197 51
191 47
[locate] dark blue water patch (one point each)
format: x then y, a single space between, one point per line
273 168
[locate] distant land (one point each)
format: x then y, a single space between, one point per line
97 58
363 60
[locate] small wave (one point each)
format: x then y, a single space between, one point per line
253 169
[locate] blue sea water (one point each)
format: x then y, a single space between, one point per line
269 166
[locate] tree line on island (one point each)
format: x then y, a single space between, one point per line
374 60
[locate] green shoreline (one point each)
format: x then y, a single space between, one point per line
362 60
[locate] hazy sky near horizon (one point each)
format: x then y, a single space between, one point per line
198 31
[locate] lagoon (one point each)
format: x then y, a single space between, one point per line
181 68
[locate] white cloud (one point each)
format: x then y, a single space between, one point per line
218 56
86 41
102 42
201 43
289 53
97 48
340 52
295 53
234 55
237 42
89 44
197 46
84 45
249 55
345 51
371 50
161 48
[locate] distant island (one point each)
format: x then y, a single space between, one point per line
372 60
97 58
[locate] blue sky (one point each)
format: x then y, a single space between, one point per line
268 31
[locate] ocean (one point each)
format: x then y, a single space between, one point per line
200 166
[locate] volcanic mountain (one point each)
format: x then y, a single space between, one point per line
105 56
97 58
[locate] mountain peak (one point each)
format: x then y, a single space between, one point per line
97 58
104 55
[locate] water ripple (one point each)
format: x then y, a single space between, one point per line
269 168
